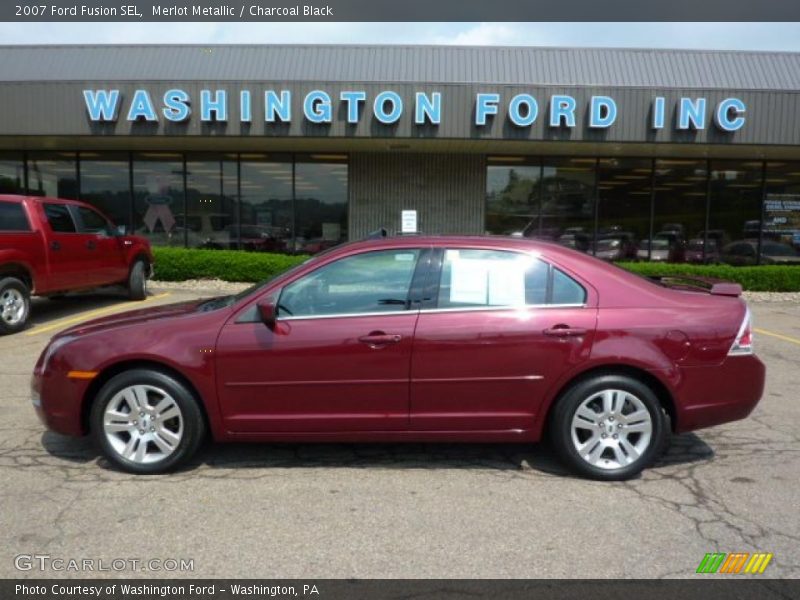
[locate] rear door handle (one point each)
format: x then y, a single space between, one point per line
379 339
55 245
90 244
565 331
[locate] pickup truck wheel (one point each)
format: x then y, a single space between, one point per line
137 281
15 305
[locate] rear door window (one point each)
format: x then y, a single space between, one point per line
13 217
59 218
473 278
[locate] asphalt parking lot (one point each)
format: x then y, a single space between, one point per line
385 511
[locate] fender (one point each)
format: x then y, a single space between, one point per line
666 373
11 257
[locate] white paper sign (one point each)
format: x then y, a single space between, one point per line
487 282
469 282
408 221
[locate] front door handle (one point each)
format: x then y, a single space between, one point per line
565 331
90 244
55 245
379 339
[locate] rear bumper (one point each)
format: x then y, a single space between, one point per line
708 396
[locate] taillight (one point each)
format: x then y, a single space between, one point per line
743 344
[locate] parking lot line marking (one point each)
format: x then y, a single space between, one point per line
785 338
90 314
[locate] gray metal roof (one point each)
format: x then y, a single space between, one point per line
433 64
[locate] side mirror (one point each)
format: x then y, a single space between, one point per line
268 313
121 230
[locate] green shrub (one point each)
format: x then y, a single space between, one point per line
769 278
179 264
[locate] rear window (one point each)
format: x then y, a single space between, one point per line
59 218
13 217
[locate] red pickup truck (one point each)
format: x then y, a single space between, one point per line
50 246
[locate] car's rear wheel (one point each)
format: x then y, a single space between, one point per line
15 305
137 281
146 421
609 427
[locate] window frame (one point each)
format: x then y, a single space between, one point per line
433 284
413 298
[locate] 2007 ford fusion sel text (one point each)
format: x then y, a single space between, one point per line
473 339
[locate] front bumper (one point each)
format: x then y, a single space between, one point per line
708 396
58 402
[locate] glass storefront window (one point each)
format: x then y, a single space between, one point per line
681 188
780 242
158 198
567 201
623 211
320 191
53 174
105 184
734 214
512 197
12 174
266 203
211 198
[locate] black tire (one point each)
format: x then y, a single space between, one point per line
561 431
14 315
137 281
193 425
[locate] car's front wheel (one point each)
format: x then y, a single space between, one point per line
137 281
146 421
609 427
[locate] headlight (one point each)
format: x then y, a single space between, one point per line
54 347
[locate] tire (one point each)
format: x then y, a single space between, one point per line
137 281
603 444
15 305
136 436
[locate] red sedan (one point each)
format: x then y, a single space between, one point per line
414 339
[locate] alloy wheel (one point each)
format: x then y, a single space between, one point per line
143 424
611 429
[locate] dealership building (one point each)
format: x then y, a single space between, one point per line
670 155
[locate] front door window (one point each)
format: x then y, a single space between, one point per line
373 282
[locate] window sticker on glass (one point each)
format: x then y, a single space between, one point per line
487 281
507 283
469 281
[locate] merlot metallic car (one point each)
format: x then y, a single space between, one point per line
425 339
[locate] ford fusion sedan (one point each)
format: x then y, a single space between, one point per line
425 339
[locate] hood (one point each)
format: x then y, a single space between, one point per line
135 317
